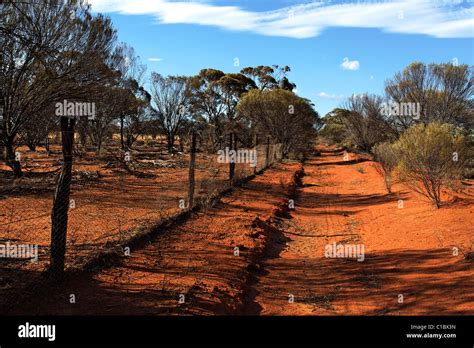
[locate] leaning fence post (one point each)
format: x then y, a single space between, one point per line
192 164
59 213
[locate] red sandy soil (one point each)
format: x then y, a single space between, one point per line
107 206
111 204
408 251
196 259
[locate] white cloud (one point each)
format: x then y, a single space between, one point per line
325 95
350 64
431 17
155 59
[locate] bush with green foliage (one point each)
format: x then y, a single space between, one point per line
289 119
333 130
430 157
387 160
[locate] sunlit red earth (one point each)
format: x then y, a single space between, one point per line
418 259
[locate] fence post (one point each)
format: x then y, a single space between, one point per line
267 157
231 162
192 164
1 130
256 153
122 143
46 145
59 213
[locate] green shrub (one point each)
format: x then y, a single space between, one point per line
387 160
333 132
430 157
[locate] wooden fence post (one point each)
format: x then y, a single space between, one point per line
231 162
256 153
1 131
192 165
267 157
59 213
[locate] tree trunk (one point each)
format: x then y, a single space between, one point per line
192 163
59 213
10 158
31 147
437 192
99 145
170 139
129 141
83 139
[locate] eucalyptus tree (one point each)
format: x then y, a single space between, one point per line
364 121
50 52
290 120
112 102
170 100
132 72
206 103
444 92
269 77
56 51
38 128
215 96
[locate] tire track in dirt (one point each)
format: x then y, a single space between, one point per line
281 254
291 284
344 202
274 243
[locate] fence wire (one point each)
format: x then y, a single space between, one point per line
113 194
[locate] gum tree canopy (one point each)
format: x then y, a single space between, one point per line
287 118
50 52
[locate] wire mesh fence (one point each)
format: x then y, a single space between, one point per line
114 195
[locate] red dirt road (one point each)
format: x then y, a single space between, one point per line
408 249
408 253
196 259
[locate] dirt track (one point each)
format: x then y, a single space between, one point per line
408 251
196 259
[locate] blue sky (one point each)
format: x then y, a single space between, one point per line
334 48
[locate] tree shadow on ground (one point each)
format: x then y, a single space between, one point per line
314 200
432 282
194 260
